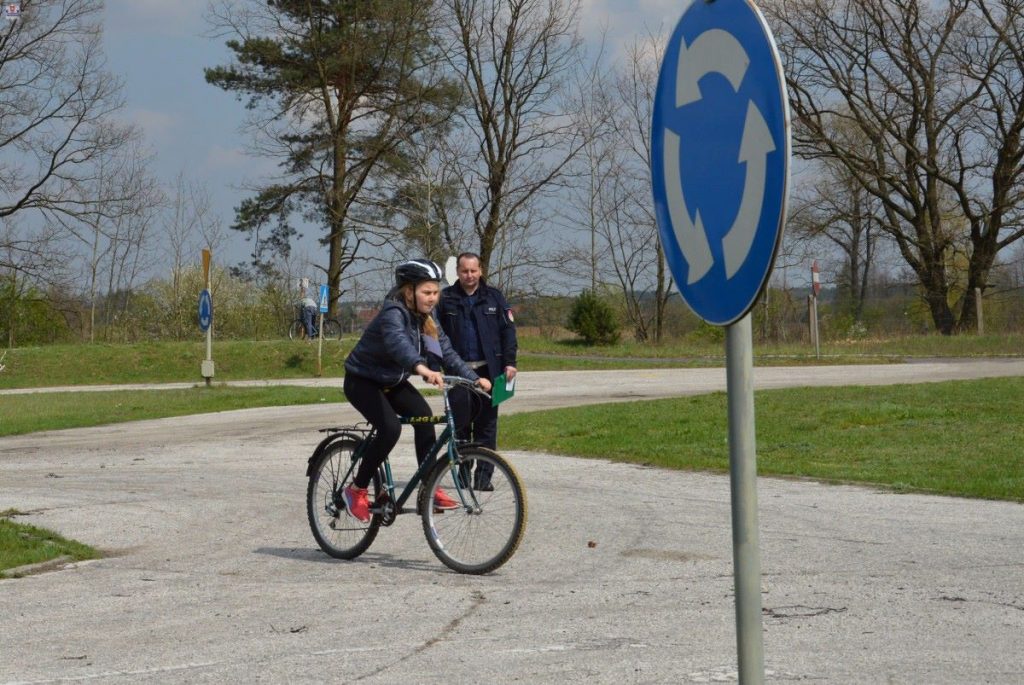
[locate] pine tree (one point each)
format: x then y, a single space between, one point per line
338 90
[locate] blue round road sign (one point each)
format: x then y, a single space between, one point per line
205 310
720 157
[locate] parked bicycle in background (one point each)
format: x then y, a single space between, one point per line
297 329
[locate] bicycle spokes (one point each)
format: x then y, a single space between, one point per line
481 535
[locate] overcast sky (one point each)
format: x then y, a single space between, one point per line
159 49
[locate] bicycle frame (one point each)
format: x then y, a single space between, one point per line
446 439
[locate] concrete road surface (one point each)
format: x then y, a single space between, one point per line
625 574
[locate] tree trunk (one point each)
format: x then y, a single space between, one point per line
984 256
489 234
936 295
337 214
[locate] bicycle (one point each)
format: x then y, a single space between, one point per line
477 537
297 329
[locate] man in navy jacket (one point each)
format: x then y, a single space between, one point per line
479 323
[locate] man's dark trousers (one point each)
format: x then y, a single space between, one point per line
476 421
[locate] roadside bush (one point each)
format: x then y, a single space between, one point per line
29 317
594 320
706 333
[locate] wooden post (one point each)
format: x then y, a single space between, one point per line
812 323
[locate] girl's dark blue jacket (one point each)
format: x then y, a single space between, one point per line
391 347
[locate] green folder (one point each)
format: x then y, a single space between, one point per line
502 389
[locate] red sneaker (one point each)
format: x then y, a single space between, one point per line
443 501
356 503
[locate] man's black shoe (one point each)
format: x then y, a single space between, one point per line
484 487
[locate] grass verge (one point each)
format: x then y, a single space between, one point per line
954 438
235 360
52 411
164 362
21 545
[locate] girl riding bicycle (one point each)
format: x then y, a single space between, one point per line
396 344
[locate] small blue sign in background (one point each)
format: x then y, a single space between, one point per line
205 310
720 157
323 299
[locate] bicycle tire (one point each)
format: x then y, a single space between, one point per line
483 534
332 330
297 331
338 534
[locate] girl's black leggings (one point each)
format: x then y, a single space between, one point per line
381 407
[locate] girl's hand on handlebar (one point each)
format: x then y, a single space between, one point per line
484 384
435 378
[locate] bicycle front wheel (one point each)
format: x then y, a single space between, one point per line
486 529
340 535
296 331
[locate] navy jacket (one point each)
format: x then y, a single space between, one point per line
390 348
493 319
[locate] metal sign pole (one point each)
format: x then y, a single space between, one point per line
743 485
320 348
209 332
324 295
721 237
206 368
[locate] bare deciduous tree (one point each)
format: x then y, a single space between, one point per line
922 104
425 207
635 88
55 99
836 208
57 139
611 199
189 225
116 208
513 59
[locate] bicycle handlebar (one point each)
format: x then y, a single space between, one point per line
459 381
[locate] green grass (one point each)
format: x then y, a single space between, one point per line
955 438
155 362
162 362
51 411
710 349
21 545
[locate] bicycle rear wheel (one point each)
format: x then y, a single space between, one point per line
485 531
340 535
332 329
296 331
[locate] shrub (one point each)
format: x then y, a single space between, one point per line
594 320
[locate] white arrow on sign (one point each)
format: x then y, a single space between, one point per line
757 143
717 51
693 241
714 50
